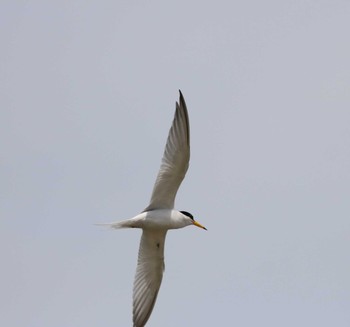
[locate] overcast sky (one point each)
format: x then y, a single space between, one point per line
88 91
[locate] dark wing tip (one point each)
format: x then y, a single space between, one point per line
182 104
182 99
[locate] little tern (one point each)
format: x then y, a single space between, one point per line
160 216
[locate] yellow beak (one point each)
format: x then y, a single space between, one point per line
198 224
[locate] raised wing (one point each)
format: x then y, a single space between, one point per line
175 160
149 273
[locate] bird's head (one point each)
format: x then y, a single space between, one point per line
191 220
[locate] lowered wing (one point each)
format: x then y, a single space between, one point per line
149 274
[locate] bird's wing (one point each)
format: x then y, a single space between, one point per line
175 160
149 273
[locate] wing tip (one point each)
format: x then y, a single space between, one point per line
183 106
182 102
181 98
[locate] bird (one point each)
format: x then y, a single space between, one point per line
160 216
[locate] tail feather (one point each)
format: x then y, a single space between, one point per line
117 225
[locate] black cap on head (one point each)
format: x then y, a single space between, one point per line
187 214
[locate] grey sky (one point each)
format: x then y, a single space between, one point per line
88 92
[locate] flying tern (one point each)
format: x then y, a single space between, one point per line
160 216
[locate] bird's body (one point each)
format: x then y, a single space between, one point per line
160 216
155 219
